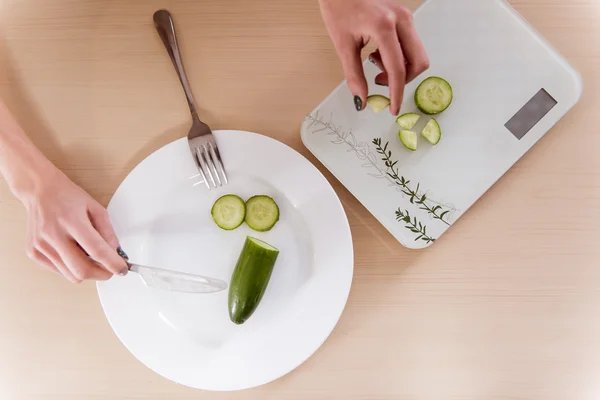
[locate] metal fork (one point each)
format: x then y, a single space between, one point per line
200 138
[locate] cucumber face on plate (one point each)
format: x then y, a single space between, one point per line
257 258
433 95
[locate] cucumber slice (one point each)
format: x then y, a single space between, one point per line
432 132
408 121
378 102
229 212
433 95
262 213
408 139
250 278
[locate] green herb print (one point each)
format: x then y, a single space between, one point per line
389 172
413 195
414 225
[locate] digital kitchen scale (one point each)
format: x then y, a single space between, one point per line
510 87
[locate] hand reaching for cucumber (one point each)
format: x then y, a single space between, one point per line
400 55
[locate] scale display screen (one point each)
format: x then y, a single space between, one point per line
530 114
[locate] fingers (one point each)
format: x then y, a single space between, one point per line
97 248
78 263
375 58
42 260
393 62
101 221
57 251
417 61
70 233
349 52
45 249
382 79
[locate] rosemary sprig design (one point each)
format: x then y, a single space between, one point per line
414 226
404 184
372 155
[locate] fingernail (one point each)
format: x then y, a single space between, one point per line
358 103
124 271
380 84
122 253
372 61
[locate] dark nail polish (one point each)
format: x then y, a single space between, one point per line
122 253
380 84
358 103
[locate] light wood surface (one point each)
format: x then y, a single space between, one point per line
505 306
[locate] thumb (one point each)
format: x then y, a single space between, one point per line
349 53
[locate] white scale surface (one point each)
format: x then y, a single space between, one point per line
496 63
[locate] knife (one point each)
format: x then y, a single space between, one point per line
176 281
173 280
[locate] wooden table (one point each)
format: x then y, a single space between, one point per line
509 312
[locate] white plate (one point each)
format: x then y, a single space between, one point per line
161 214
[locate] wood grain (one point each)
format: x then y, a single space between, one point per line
505 306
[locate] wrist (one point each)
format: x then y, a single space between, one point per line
30 176
26 170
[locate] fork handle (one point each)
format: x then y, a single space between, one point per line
164 26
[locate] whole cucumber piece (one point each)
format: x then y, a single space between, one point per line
250 278
433 95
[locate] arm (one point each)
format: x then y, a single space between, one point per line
400 55
63 218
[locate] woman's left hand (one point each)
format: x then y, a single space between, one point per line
400 55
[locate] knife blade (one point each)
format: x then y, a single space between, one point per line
177 281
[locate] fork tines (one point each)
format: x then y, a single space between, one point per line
210 165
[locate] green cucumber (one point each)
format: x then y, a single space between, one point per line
262 213
377 102
250 278
433 95
432 132
408 121
229 212
408 139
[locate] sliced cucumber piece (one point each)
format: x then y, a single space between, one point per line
378 102
433 95
408 139
229 212
250 278
432 132
262 213
408 121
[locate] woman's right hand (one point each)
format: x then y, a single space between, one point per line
400 55
65 225
67 228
